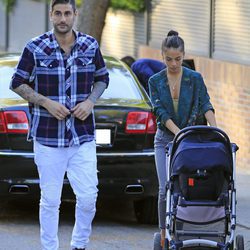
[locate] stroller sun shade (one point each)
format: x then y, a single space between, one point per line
196 152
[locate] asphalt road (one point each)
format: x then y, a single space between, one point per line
114 227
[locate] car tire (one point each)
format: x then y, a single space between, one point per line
146 210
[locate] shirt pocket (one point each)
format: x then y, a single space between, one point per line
47 66
85 64
47 73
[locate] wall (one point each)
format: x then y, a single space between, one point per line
123 33
190 18
229 88
27 20
25 23
2 27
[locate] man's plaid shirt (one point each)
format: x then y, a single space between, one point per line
67 80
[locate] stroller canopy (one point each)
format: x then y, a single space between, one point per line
203 152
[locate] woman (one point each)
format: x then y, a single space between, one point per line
179 97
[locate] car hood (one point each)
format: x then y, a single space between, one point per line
7 102
123 102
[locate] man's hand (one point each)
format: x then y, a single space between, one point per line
83 109
56 109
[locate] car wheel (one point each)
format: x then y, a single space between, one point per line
146 210
239 242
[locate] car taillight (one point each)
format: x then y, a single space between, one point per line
140 123
3 128
151 129
13 122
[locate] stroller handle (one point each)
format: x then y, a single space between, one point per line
203 128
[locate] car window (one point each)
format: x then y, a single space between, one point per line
121 85
6 73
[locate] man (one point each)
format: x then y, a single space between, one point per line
144 68
61 74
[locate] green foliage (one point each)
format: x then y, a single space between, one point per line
9 5
78 3
130 5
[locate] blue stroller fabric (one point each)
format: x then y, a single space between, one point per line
195 153
201 152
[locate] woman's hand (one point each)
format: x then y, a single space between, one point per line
172 127
211 118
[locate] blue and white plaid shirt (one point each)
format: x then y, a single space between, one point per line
65 79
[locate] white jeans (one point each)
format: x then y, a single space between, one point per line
79 162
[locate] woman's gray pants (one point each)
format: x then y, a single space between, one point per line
160 142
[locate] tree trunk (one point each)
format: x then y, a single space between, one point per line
91 19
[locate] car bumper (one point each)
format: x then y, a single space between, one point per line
130 175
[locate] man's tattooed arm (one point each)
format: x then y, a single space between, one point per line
56 109
27 93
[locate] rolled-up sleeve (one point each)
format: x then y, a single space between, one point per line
204 99
23 70
101 73
158 109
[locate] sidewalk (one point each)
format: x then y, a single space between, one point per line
243 198
243 205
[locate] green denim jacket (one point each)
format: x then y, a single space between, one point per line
194 100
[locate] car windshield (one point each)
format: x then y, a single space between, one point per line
122 85
6 73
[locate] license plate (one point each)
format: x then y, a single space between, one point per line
103 136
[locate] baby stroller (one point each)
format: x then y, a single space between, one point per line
201 194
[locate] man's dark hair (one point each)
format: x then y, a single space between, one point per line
129 60
54 2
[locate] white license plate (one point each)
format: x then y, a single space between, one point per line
103 136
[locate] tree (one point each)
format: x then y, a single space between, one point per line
92 14
91 19
8 4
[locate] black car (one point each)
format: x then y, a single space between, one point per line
125 129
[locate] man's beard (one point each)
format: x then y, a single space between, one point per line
65 30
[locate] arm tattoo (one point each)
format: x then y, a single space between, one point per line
27 93
97 91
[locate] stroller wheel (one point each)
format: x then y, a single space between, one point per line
239 242
157 242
